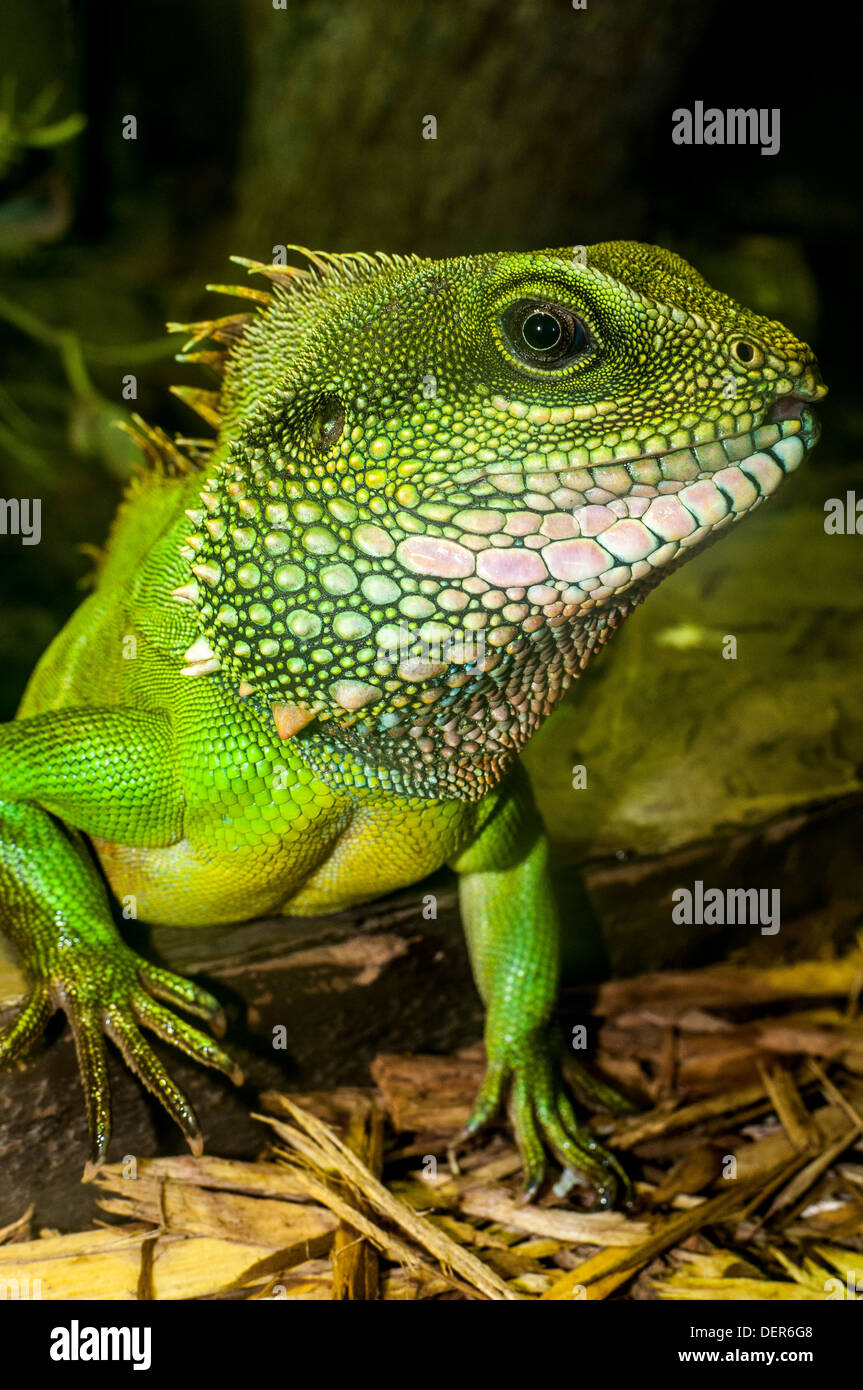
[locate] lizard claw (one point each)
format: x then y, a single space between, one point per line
115 995
544 1122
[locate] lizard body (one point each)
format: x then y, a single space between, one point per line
316 646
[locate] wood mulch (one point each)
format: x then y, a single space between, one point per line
746 1158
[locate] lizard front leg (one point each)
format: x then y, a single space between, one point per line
512 926
107 772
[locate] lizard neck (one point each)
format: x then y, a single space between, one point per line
468 735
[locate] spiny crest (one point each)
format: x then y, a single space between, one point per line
98 555
163 455
324 267
346 266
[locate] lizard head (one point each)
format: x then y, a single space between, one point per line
440 486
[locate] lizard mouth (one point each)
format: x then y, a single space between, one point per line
551 543
787 408
786 416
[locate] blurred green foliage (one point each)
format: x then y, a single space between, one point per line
29 129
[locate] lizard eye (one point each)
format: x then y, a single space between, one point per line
543 335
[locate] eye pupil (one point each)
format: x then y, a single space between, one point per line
543 335
541 331
744 352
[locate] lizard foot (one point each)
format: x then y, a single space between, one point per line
596 1094
543 1120
115 994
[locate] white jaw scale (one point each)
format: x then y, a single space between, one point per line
200 659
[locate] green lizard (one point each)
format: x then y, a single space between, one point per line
317 644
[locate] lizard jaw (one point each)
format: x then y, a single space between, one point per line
588 535
573 542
